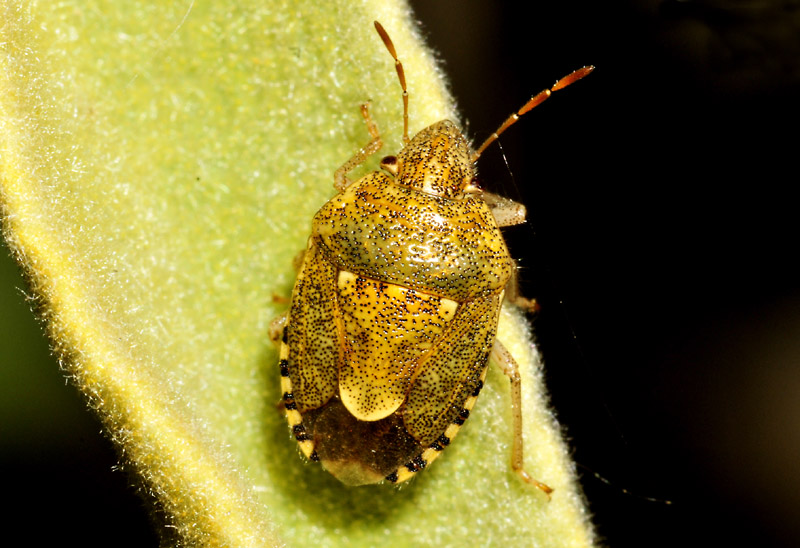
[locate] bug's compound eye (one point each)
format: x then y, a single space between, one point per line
390 164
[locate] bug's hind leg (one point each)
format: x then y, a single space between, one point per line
340 180
508 365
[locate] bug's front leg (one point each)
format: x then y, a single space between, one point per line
506 212
509 213
508 365
340 180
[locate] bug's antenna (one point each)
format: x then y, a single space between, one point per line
534 101
400 74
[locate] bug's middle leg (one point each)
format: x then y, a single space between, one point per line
340 180
508 365
513 294
276 325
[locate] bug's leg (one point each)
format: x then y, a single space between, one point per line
515 297
508 365
340 180
506 212
297 260
276 328
297 264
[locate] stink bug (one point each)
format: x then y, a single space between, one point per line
385 345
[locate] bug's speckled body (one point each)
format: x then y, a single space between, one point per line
394 313
393 317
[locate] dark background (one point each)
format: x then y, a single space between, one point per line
661 247
663 237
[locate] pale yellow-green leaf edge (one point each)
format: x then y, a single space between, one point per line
159 166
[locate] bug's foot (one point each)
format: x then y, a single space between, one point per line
528 305
527 478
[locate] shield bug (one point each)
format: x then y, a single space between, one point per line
392 322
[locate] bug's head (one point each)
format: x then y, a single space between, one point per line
435 161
